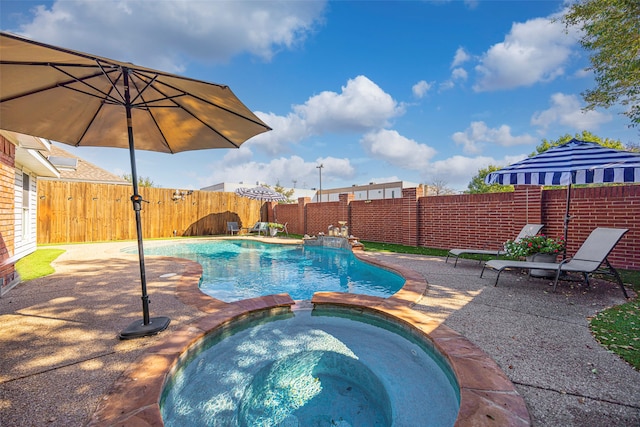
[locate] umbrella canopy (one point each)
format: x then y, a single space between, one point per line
81 99
261 193
575 162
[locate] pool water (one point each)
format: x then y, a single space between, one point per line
312 368
240 269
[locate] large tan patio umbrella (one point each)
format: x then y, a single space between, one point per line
86 100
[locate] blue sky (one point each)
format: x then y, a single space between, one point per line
375 91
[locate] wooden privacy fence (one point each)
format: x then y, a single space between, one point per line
88 212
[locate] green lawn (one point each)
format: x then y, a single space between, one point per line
37 264
617 328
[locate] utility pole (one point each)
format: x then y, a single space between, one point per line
320 188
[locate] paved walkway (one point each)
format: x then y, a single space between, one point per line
61 354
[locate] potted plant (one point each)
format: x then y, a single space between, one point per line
538 248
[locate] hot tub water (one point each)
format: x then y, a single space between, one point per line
312 368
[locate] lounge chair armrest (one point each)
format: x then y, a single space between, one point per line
564 261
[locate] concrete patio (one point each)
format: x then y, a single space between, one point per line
61 354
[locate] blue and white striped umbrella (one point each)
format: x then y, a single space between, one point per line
263 194
576 162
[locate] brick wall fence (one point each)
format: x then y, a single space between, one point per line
7 211
477 220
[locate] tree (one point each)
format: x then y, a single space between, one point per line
610 31
478 186
280 189
440 188
143 181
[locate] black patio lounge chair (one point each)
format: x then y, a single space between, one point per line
527 230
590 258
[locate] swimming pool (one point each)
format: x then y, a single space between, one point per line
239 269
331 367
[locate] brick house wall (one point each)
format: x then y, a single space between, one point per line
7 212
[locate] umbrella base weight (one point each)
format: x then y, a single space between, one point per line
138 329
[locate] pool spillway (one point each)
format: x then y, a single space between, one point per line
312 368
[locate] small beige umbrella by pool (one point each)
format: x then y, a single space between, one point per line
86 100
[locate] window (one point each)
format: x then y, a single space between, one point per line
26 197
25 190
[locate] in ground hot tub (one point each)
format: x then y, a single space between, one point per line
329 367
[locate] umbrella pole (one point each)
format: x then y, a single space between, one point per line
149 326
567 218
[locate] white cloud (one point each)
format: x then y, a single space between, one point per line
459 74
397 150
334 168
471 4
167 34
457 171
478 134
421 88
534 51
460 57
283 169
582 73
361 106
567 110
287 130
446 85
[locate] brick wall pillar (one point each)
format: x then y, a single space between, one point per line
7 212
302 216
409 233
271 215
344 209
527 206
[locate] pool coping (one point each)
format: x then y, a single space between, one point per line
487 396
